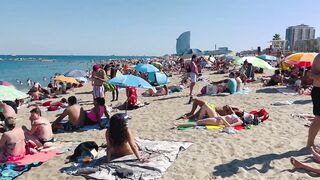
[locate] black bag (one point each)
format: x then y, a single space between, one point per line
83 149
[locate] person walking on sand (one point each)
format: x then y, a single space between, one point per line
193 75
98 78
315 95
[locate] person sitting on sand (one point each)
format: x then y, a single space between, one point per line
41 132
299 165
95 114
210 110
132 101
12 142
239 81
6 111
276 79
120 141
160 91
75 114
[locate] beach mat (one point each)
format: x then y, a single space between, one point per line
160 155
11 171
38 157
94 127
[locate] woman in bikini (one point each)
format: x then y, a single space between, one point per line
94 115
12 142
120 141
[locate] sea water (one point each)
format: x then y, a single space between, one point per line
16 69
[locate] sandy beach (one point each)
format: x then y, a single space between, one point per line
259 153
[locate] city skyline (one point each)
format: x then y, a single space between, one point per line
143 27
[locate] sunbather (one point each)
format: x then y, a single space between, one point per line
76 116
12 142
6 111
210 110
94 115
41 132
228 120
299 165
120 141
160 91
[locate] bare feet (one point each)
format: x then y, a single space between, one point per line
315 154
296 164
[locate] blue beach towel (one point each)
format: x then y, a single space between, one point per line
11 171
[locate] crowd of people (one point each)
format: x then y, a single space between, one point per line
119 138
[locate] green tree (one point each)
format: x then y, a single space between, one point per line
276 37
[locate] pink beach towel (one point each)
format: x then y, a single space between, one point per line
39 157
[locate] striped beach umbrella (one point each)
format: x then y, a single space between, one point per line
9 94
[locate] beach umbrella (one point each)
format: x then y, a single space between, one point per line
267 57
76 73
129 81
6 83
256 62
161 78
146 68
190 52
10 94
62 78
301 59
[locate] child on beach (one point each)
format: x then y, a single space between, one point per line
120 141
41 131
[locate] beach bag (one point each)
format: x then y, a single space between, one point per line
108 87
86 150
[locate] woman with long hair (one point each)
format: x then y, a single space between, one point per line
120 141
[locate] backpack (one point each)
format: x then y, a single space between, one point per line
84 149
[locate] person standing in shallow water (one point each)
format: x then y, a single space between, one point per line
315 95
193 75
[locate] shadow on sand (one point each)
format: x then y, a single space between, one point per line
167 98
231 168
302 102
267 90
89 92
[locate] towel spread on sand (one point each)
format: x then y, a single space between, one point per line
243 91
11 171
93 127
287 91
160 155
38 157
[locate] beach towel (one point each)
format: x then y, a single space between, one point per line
244 91
287 91
94 127
38 157
11 171
160 155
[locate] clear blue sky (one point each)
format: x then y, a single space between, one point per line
145 27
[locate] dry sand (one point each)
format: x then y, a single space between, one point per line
260 153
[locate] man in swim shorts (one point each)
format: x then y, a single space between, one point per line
99 77
315 95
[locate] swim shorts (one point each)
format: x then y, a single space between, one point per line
98 91
193 77
70 127
315 95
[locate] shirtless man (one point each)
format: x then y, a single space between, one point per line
41 131
99 77
6 111
315 95
76 116
12 144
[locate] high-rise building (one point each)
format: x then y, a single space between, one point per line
299 32
183 43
